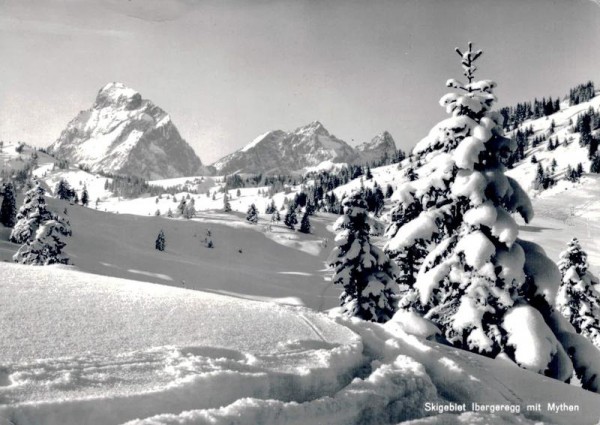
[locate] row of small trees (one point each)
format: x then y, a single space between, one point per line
66 192
290 219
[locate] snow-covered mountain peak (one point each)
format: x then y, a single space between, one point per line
304 149
118 95
379 147
284 152
124 133
314 127
263 138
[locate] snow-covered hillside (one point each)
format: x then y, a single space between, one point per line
568 151
15 157
262 261
125 134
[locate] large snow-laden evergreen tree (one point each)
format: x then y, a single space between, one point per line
32 214
364 270
46 248
39 231
577 300
488 291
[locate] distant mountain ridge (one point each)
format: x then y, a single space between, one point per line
123 133
281 152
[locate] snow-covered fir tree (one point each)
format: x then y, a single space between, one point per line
8 209
305 226
290 219
275 217
577 299
486 290
181 206
271 207
160 244
64 191
252 214
364 271
226 203
32 214
189 210
46 248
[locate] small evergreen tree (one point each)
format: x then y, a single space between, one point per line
362 269
64 190
189 211
85 197
252 214
275 217
577 300
290 219
226 203
160 243
305 223
271 207
181 207
8 209
389 191
540 177
169 213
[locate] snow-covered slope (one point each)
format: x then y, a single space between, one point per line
285 152
566 154
125 134
263 261
379 148
83 349
15 156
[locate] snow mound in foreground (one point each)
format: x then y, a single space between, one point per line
81 349
78 348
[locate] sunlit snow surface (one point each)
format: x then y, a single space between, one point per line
86 349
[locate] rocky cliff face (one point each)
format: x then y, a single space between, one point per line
382 147
125 134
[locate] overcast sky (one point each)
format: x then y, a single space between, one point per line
228 71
